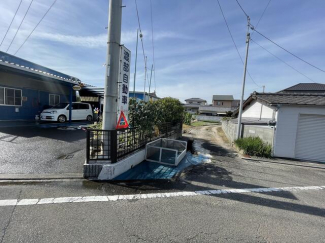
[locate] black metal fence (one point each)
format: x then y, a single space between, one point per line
113 145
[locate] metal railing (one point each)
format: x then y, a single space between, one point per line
113 145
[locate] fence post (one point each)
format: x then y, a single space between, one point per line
113 148
88 147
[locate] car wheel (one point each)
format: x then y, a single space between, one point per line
62 119
89 118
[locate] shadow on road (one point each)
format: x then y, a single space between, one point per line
10 134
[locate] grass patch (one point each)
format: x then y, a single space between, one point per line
254 146
222 135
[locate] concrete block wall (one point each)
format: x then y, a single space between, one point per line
266 133
208 118
230 129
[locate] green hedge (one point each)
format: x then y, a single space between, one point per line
254 146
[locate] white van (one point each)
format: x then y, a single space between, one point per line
60 112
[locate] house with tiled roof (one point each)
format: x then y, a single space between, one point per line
292 120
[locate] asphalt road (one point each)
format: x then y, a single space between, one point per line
35 150
279 216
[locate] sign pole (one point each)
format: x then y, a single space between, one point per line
112 65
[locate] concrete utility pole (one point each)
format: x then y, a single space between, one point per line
244 79
112 65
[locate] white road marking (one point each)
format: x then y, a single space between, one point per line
35 201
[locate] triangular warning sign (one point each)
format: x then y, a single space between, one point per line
122 122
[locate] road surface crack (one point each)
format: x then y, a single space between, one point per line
10 219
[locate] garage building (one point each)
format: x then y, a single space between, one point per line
299 117
27 88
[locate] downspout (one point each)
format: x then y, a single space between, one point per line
275 128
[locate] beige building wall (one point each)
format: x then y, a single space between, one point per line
225 103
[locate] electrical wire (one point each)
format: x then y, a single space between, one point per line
36 27
11 23
242 8
141 35
282 61
143 52
235 43
287 50
263 13
20 25
153 47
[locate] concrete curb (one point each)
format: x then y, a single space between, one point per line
29 177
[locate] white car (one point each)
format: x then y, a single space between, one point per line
60 112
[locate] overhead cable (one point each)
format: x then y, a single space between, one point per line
22 21
242 8
11 22
153 47
312 65
35 27
235 43
282 61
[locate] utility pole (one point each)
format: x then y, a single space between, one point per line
112 65
244 79
145 78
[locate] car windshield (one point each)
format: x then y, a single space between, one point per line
60 106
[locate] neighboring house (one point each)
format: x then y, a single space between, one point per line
27 88
225 101
298 114
193 104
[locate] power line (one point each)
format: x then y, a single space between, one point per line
263 13
11 22
141 35
287 50
36 26
142 45
282 61
235 42
242 8
19 26
153 48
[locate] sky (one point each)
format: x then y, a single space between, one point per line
194 53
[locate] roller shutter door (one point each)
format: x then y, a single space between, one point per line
310 141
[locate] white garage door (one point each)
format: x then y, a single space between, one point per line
310 141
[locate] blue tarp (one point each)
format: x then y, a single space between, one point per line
152 171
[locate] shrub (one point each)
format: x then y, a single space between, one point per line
187 118
254 146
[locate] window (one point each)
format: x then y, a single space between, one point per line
54 99
10 96
2 96
84 106
75 106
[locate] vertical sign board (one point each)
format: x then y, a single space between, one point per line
123 87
